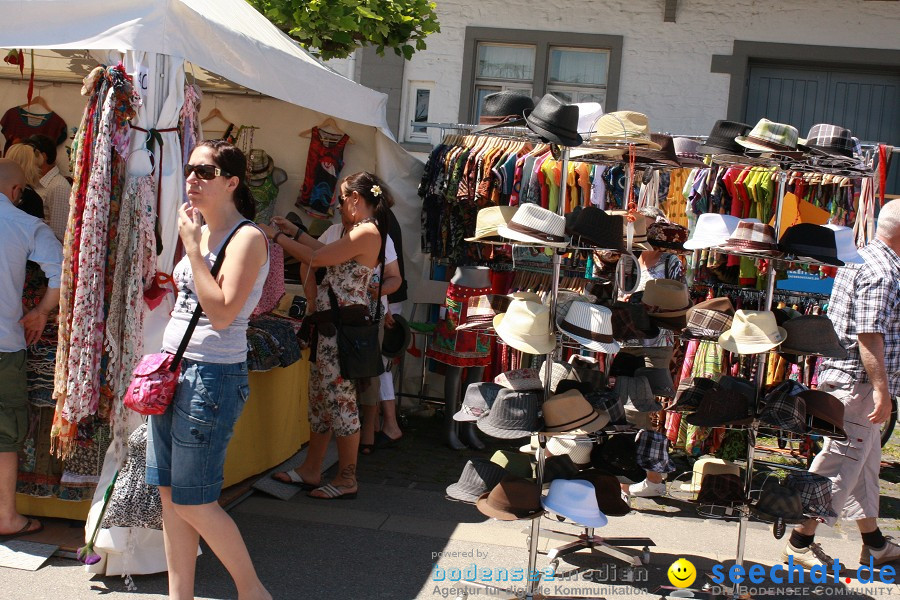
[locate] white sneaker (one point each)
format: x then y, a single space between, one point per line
647 489
888 554
807 557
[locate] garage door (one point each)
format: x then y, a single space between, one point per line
866 103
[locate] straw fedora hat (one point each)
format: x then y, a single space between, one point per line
526 326
768 136
591 326
535 225
488 220
623 127
708 465
259 165
666 299
752 332
571 413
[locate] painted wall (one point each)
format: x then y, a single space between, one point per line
665 66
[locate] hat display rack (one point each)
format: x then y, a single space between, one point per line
587 539
784 166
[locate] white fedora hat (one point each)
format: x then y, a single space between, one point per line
579 450
535 225
846 245
591 326
752 332
488 220
526 326
712 229
559 371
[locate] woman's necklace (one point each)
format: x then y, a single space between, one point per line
361 221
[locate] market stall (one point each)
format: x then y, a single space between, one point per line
242 77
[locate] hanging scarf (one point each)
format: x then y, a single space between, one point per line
90 259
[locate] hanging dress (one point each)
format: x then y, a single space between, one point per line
323 167
466 348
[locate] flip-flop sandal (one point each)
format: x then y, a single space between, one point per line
332 493
26 530
295 479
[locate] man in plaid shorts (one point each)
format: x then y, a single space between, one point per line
865 311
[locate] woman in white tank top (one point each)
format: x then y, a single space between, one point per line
186 445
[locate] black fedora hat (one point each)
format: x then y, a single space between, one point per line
812 335
807 240
555 121
721 138
396 338
722 406
501 107
597 228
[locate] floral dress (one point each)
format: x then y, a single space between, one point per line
332 399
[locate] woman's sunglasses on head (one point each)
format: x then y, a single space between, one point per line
205 172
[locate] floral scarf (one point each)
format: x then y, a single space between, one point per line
90 259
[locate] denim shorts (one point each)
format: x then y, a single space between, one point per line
186 445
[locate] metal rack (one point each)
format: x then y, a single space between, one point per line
785 166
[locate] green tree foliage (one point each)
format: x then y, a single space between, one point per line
335 28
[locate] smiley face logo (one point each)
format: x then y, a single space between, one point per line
682 573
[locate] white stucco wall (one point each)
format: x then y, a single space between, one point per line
665 66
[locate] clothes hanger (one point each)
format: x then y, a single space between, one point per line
329 122
215 113
39 100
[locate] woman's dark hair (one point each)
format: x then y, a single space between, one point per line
230 159
363 183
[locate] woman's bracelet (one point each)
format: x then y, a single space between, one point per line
275 237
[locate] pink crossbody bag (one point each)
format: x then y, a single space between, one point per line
155 377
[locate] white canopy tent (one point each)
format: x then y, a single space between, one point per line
231 41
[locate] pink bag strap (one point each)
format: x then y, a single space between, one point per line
195 318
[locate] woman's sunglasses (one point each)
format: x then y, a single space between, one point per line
205 172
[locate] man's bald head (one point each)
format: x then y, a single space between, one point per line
12 179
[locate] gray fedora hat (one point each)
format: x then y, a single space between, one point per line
478 476
513 415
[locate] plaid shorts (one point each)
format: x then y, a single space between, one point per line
653 452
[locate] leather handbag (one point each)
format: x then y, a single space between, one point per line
155 377
359 349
